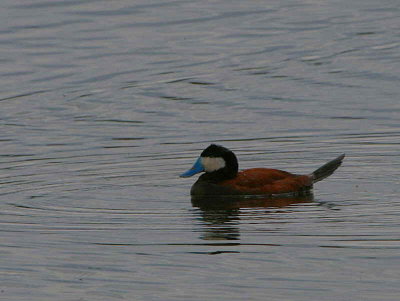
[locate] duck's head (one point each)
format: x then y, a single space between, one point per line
217 162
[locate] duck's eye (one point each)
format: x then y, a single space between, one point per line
212 164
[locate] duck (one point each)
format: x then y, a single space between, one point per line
221 176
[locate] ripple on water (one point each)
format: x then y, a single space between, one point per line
102 107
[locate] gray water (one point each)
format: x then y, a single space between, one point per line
104 103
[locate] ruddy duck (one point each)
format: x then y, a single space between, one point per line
222 177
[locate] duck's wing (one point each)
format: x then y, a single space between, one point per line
268 181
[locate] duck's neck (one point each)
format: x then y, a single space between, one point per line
219 175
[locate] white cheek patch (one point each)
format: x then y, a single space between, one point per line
212 164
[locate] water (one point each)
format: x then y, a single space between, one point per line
103 105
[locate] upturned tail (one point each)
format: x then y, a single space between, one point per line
327 169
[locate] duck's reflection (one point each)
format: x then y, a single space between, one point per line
221 224
221 216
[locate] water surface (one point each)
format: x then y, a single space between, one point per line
103 104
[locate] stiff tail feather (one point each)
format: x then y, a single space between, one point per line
327 169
